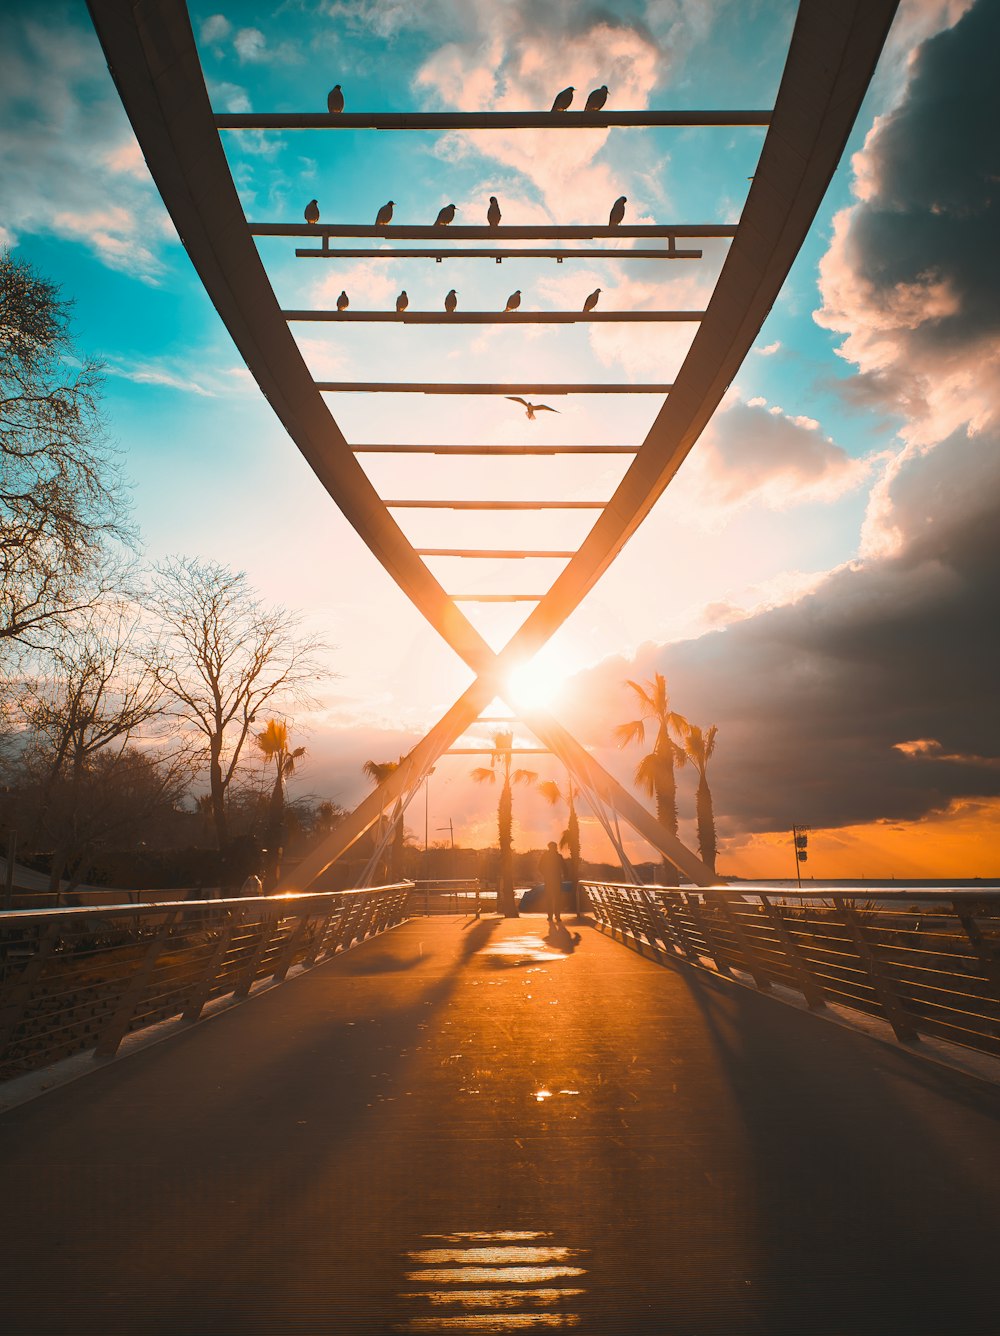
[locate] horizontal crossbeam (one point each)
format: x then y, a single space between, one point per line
496 598
488 751
486 120
494 449
475 253
423 232
495 505
503 553
518 387
494 317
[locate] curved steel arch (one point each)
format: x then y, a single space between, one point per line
153 58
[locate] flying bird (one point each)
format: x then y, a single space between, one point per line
445 215
591 301
493 214
384 216
513 301
563 99
617 211
402 302
335 100
597 98
343 302
531 409
311 214
450 302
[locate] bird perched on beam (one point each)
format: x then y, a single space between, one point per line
513 301
591 301
445 215
531 409
384 216
451 301
402 302
493 214
563 99
597 98
311 214
343 302
617 211
335 100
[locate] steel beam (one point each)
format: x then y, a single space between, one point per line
499 552
425 232
475 253
486 120
494 505
517 387
494 449
493 317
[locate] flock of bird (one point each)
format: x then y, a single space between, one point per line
451 301
446 215
562 102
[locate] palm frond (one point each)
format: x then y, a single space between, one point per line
484 774
524 776
626 734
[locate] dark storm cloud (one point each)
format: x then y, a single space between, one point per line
812 699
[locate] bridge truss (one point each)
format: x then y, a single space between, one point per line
153 58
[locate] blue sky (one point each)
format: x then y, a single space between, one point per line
796 482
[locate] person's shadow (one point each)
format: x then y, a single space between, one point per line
561 939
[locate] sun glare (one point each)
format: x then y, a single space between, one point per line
539 682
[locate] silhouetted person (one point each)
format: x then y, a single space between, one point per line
552 876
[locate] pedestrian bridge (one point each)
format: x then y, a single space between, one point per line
455 1122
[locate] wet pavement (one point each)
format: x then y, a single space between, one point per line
498 1126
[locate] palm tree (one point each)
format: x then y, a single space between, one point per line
503 743
655 772
699 748
272 743
379 772
570 838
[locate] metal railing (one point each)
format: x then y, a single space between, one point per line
928 962
79 979
466 895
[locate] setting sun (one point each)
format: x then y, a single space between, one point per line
539 682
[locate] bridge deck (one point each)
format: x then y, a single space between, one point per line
354 1152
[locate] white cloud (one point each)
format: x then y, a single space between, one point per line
64 124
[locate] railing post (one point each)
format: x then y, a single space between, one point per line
668 901
753 962
811 990
317 946
657 923
23 991
117 1026
288 955
268 926
988 956
201 990
704 927
885 991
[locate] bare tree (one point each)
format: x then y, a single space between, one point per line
224 655
62 501
84 777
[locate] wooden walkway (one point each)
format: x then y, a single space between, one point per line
475 1126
